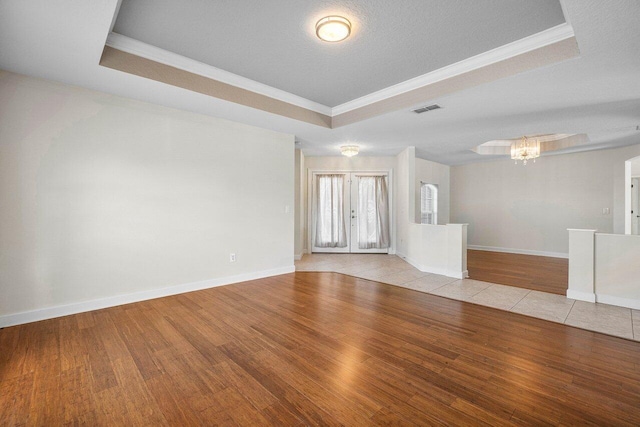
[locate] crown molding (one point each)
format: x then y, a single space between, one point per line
156 54
518 47
536 41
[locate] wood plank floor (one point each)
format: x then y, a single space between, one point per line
538 273
313 349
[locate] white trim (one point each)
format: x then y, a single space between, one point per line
115 16
144 50
518 251
580 295
510 50
563 5
298 257
80 307
433 270
619 301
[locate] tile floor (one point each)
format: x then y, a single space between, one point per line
607 319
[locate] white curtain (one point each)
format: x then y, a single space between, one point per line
373 213
330 225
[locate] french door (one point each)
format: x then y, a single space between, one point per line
350 212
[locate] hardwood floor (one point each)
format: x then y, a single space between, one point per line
313 349
538 273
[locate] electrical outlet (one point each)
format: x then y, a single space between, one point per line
232 257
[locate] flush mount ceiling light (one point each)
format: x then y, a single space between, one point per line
349 150
333 28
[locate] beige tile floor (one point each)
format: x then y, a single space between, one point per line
607 319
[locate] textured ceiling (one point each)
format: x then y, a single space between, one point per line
273 42
597 93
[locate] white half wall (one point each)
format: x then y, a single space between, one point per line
617 269
582 265
103 198
439 249
528 209
604 268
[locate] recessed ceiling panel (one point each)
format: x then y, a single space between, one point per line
274 42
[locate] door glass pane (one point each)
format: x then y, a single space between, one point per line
373 213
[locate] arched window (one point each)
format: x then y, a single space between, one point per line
429 203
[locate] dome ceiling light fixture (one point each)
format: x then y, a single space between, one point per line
349 150
333 28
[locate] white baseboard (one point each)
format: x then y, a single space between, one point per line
581 296
435 270
297 257
619 301
81 307
518 251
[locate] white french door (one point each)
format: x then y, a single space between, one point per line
350 212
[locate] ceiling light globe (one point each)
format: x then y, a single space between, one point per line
333 28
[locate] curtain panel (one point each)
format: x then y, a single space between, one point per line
373 213
330 224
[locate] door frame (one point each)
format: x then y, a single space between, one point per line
635 197
311 203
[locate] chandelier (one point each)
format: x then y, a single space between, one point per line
525 149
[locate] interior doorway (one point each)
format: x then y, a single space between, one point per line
350 212
632 196
635 205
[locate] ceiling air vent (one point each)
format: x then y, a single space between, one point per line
427 108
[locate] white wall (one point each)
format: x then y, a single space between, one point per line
635 167
103 196
529 208
342 163
405 198
433 173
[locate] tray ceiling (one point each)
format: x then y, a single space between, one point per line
273 42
